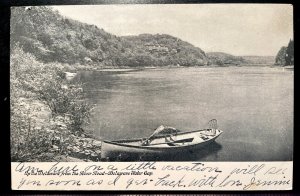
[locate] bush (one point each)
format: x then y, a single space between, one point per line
27 141
64 100
32 81
30 146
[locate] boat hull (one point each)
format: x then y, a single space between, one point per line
113 150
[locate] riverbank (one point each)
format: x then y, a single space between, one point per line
66 146
84 148
47 113
77 67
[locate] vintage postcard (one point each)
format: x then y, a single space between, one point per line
152 97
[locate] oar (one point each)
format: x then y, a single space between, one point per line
158 130
176 141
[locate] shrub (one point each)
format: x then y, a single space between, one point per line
28 141
64 100
32 81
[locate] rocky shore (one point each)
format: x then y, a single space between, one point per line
65 145
85 148
80 146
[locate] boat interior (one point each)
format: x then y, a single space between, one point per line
177 139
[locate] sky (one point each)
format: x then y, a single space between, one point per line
238 29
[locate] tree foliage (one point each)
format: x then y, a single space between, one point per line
51 37
285 55
38 89
280 57
220 58
289 57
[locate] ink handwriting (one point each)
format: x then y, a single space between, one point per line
152 176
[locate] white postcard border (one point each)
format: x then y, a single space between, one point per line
189 176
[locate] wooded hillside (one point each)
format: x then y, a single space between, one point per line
52 37
220 58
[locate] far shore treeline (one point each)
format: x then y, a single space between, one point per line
51 37
48 111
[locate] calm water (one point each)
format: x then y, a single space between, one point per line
253 106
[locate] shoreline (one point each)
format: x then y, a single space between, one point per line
65 145
70 69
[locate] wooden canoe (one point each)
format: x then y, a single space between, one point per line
159 145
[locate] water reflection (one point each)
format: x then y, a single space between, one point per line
210 151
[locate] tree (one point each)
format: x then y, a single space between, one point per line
280 57
289 56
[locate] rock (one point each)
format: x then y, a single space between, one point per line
87 160
97 143
89 146
94 154
49 130
64 86
62 158
87 151
75 149
81 155
69 75
98 152
84 145
69 147
55 147
78 142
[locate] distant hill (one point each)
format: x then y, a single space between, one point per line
220 58
52 37
259 60
162 49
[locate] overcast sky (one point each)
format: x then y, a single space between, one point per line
236 29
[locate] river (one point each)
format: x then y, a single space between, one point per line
253 106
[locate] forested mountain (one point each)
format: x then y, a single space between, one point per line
166 50
52 37
220 58
285 55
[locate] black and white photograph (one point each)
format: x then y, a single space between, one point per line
152 82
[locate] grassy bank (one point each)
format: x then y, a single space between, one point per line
47 113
